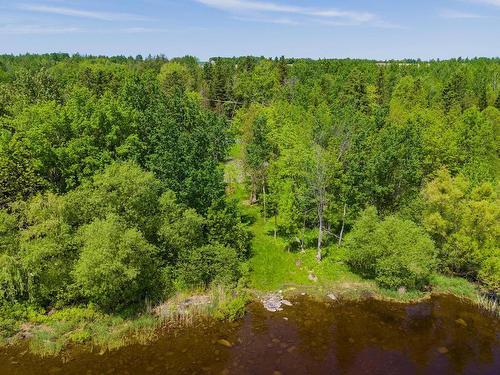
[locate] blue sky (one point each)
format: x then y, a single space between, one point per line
380 29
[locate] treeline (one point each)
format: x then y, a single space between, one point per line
112 183
402 156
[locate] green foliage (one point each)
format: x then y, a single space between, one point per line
117 266
47 248
259 84
478 146
8 233
112 186
224 226
12 315
12 279
394 252
175 76
186 145
180 229
124 189
233 309
362 252
454 285
463 221
489 273
210 264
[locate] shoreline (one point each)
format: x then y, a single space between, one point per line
146 328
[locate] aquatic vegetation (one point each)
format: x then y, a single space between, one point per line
489 304
310 336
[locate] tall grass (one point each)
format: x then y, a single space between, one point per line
490 305
102 332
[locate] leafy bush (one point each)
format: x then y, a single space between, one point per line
8 233
225 227
124 189
490 272
393 251
12 278
231 310
117 265
214 263
463 221
180 228
361 252
47 248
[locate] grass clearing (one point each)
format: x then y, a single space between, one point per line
273 267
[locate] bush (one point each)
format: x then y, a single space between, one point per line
11 317
117 265
361 252
224 226
490 273
463 221
8 233
180 228
231 310
12 279
214 263
124 189
393 251
47 249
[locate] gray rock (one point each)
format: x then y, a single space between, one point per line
312 277
332 296
273 302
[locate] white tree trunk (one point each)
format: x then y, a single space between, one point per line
343 224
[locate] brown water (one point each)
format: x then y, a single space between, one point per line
441 336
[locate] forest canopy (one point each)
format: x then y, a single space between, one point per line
112 184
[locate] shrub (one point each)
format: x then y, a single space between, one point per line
362 253
393 251
180 228
214 263
117 265
124 189
490 273
224 226
12 280
8 233
47 249
231 310
463 221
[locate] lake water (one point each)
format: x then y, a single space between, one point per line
441 336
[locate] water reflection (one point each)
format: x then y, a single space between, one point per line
441 336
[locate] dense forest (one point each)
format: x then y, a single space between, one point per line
113 191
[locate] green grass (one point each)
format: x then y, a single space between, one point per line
454 285
273 267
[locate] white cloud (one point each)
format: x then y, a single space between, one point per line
276 21
142 30
243 6
488 2
36 29
454 14
72 12
14 29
